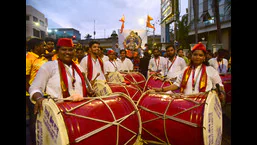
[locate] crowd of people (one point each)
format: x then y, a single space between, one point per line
68 70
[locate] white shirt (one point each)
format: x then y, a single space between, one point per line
221 67
213 78
105 58
96 68
173 70
158 64
48 79
126 64
110 66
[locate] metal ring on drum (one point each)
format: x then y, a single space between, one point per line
112 119
180 119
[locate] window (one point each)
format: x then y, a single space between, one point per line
35 19
35 33
42 23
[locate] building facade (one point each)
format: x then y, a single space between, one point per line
57 33
207 28
36 23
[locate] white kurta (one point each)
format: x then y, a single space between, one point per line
48 79
221 67
96 68
157 64
173 70
110 66
213 78
125 65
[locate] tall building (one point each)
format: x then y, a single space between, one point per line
36 23
207 28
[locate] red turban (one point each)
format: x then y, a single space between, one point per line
199 46
110 51
66 42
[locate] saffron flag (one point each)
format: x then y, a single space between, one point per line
122 25
148 24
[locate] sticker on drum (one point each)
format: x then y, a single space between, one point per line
115 77
102 88
212 120
50 126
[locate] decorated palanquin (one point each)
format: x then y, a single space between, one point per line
131 43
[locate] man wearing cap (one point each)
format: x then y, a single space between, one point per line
198 76
111 65
60 78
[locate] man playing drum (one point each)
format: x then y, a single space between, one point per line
198 76
92 64
111 65
60 78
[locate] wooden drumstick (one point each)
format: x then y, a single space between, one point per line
88 83
97 75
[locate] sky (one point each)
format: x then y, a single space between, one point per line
101 15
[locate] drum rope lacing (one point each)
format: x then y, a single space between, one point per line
165 116
116 122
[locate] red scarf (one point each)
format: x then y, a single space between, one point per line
64 80
90 66
203 79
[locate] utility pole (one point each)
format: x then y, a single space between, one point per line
94 29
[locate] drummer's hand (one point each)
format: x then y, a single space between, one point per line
92 93
76 97
156 89
38 106
222 98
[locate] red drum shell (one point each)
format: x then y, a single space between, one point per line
184 119
155 82
130 90
135 78
108 109
226 80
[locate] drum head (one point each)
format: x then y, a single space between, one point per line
50 125
212 120
101 88
115 77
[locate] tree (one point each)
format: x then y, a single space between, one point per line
88 36
217 20
228 7
195 8
183 30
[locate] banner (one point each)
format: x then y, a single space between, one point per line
140 37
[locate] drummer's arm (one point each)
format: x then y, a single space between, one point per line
172 87
38 98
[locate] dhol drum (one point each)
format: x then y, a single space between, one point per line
155 81
106 88
179 119
226 80
105 120
115 77
135 78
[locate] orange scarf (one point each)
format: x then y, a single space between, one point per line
203 79
64 80
90 66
